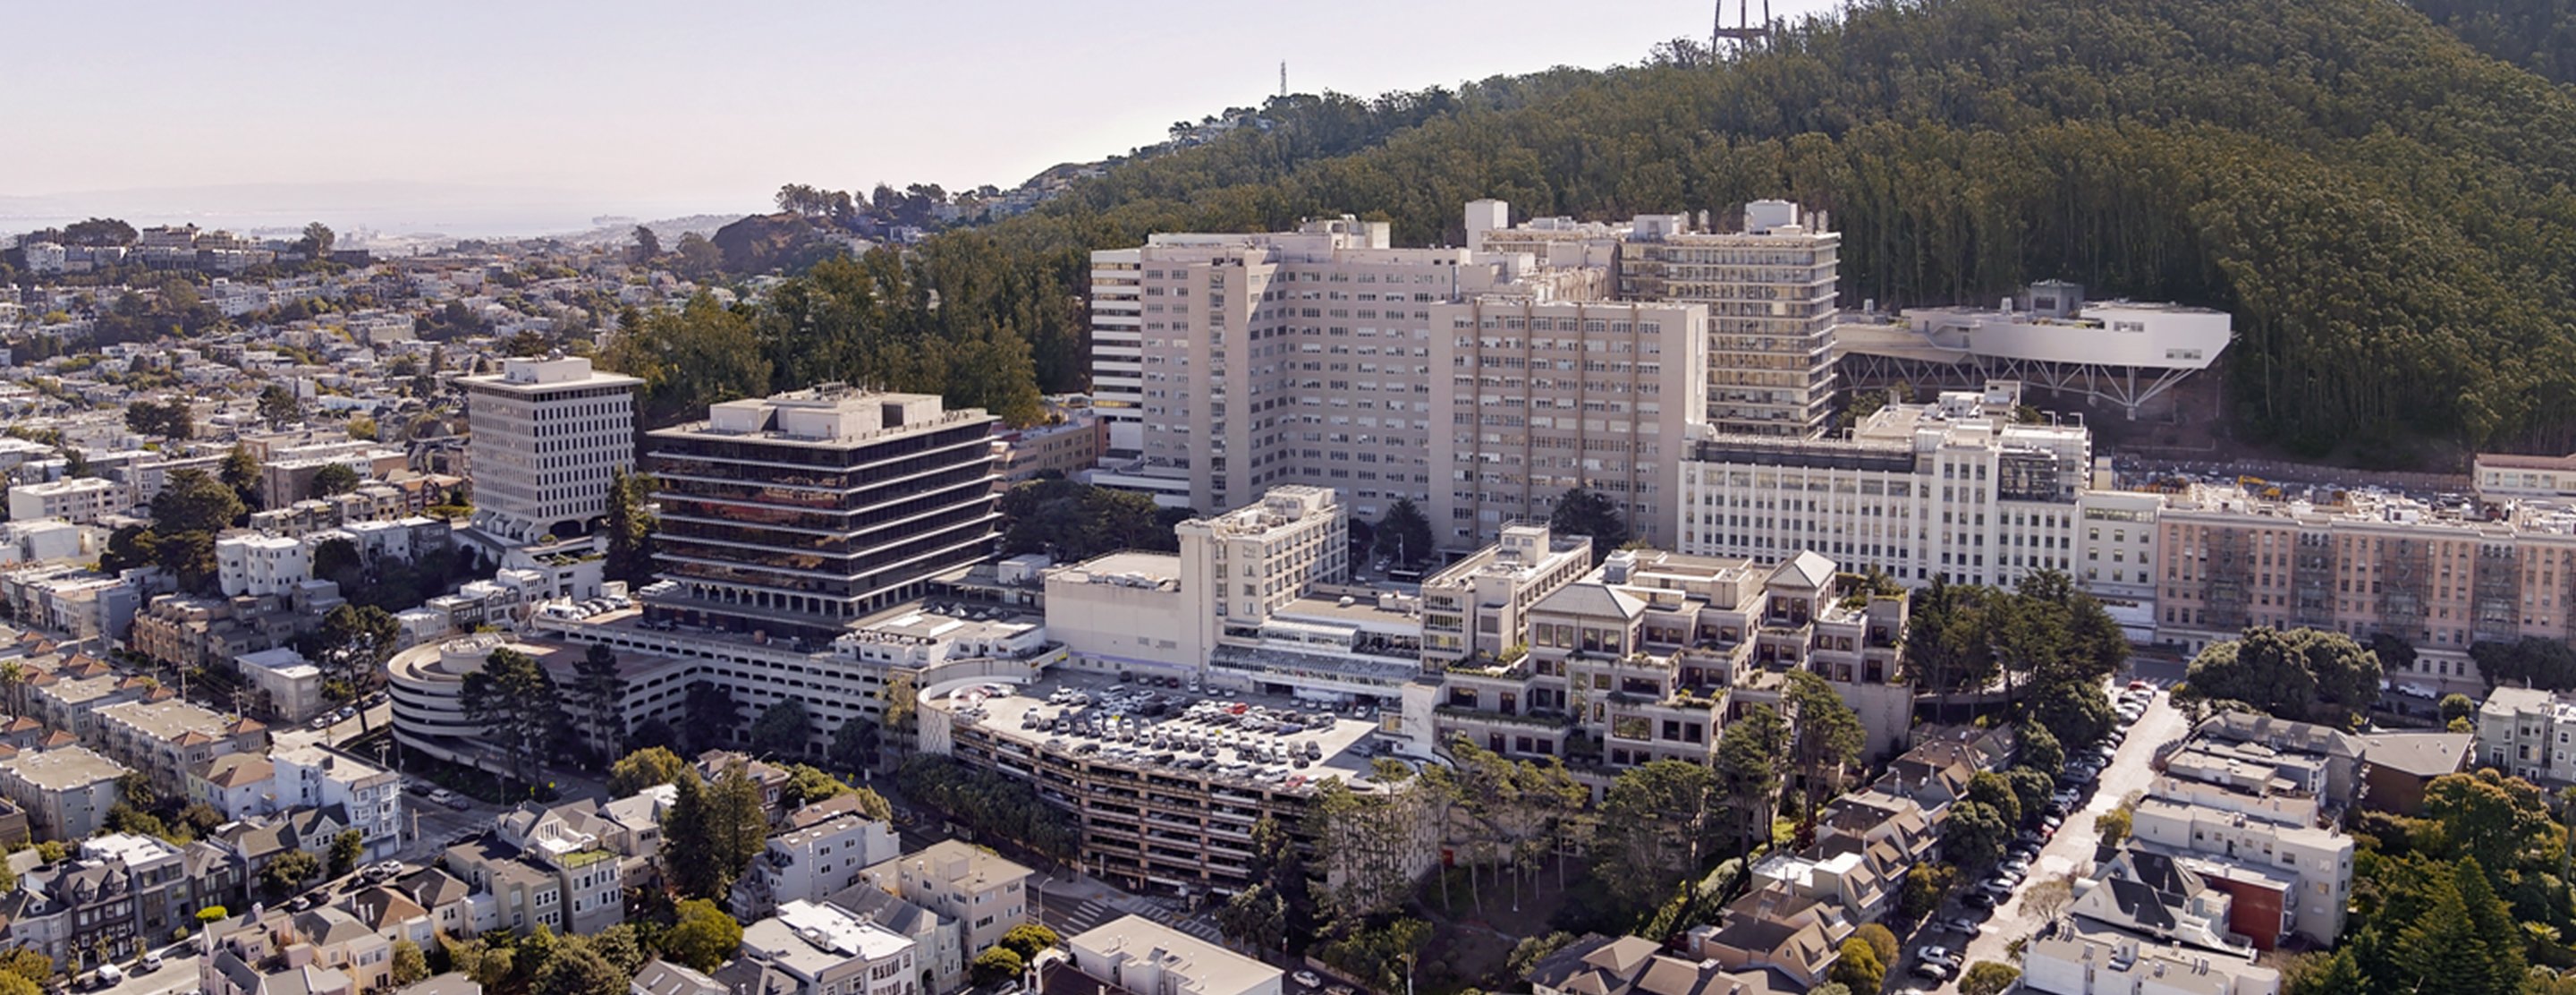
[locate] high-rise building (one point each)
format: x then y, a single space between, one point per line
547 433
1282 358
1770 289
799 514
1538 397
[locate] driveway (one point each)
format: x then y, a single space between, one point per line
2075 841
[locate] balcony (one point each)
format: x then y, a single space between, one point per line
1539 718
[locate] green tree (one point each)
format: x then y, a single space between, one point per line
191 501
702 937
2039 750
2075 712
623 948
288 873
577 969
410 965
335 479
1881 940
1404 534
1993 790
1751 754
807 785
2324 974
708 716
241 472
1255 917
1659 822
996 965
346 850
647 245
702 353
598 697
1859 967
1029 939
645 768
783 730
351 649
11 984
1987 977
318 240
713 831
630 528
278 406
854 744
514 702
1586 512
1976 835
27 963
2500 822
1825 736
2302 674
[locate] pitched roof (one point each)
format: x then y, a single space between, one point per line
232 770
1807 569
2423 754
1595 599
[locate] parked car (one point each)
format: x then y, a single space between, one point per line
1307 978
1980 899
1935 972
1937 954
151 961
1963 924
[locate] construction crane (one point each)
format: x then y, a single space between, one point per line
1744 34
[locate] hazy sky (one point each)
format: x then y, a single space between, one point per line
652 107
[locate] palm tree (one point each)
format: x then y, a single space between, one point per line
13 675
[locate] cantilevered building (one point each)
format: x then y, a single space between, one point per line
799 514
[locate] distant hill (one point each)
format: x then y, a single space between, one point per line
2539 35
2389 214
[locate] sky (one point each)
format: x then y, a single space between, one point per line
566 109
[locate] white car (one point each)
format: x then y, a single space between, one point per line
1307 978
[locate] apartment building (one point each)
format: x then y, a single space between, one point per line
2528 733
798 514
983 892
811 863
2068 958
2501 477
2301 872
1477 607
1770 290
1139 956
1650 655
166 737
310 776
825 950
547 434
79 500
2440 577
1769 287
1955 489
1229 363
1542 396
65 791
1153 820
261 564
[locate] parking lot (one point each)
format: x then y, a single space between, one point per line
1970 933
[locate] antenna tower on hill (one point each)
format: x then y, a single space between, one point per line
1744 34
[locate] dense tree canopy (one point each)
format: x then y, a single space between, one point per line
2302 674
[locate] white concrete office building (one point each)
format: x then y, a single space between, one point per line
1230 363
547 433
1538 397
1952 489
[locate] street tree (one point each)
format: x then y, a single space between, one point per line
2309 675
783 730
514 701
598 696
1659 822
645 768
241 472
1825 736
351 648
1751 755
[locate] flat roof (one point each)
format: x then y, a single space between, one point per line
63 768
1216 969
1004 706
1165 567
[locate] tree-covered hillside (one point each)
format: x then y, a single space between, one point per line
2539 35
2389 214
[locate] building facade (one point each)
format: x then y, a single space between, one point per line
547 435
798 514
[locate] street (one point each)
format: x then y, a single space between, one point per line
178 973
2071 850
